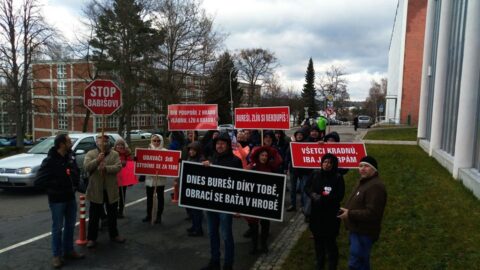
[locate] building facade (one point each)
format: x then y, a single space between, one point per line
449 115
57 94
405 62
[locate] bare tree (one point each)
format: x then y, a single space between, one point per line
333 83
255 66
376 96
272 91
24 34
190 43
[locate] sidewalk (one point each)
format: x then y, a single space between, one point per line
280 248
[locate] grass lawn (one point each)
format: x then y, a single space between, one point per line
392 134
431 221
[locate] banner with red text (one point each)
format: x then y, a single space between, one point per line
263 118
192 117
308 155
157 162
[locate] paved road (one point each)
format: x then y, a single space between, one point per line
25 215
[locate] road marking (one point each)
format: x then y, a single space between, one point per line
36 238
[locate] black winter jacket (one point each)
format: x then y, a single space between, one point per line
326 190
59 176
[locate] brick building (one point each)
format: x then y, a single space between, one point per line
405 62
57 94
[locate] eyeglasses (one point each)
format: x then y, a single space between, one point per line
156 140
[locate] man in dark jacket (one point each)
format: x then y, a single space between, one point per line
60 176
223 156
363 213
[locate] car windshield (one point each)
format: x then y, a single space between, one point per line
364 118
44 146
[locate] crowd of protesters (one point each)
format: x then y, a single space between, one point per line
321 191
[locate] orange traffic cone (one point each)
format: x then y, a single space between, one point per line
82 237
175 191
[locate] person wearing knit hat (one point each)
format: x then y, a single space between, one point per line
363 213
222 156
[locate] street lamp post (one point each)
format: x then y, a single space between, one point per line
231 96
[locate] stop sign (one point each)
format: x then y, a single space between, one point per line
102 97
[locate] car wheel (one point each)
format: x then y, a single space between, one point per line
143 137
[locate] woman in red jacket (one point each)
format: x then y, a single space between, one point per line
264 159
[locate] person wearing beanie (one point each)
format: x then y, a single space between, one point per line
315 134
223 156
363 213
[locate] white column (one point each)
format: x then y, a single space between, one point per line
465 139
427 53
440 75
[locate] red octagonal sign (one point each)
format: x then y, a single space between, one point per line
102 97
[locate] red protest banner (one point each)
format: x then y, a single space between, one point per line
308 155
263 118
157 162
192 117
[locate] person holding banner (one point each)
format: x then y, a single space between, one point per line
102 164
125 177
222 156
326 189
155 184
194 154
297 175
264 159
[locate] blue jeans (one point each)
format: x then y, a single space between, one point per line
300 181
64 211
360 248
223 222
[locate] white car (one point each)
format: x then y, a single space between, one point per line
138 134
20 170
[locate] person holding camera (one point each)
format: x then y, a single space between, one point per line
326 189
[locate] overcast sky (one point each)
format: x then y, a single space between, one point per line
354 34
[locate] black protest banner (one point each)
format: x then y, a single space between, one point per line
231 190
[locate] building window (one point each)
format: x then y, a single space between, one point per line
62 122
160 120
62 87
62 105
142 121
454 75
433 68
476 158
112 122
61 71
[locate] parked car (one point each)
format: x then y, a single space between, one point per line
138 134
20 170
364 121
4 142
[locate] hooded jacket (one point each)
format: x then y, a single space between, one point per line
273 163
326 190
296 172
227 158
59 175
149 179
197 146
